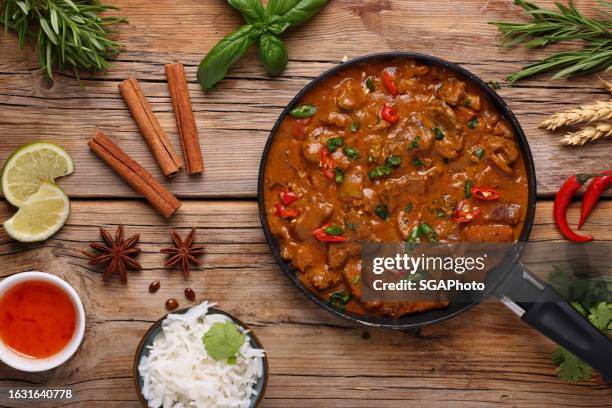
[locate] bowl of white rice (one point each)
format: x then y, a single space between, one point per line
174 369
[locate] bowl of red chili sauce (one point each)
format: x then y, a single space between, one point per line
42 321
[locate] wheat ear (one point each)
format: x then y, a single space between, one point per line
601 110
606 84
587 134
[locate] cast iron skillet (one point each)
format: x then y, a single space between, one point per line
550 314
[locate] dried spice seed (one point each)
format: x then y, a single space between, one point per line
190 294
171 304
184 252
117 253
154 286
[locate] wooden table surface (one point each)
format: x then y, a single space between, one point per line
482 358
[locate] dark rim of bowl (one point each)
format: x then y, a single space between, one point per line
419 319
211 310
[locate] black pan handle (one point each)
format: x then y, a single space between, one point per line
541 306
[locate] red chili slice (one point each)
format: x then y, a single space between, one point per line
288 197
389 83
299 128
464 212
389 113
484 193
323 236
286 213
327 164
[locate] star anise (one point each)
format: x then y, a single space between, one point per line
184 252
117 253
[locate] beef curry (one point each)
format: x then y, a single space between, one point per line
388 151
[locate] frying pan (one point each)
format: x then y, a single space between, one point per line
547 311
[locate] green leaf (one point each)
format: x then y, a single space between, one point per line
252 10
223 341
224 54
48 30
54 21
600 315
294 12
570 367
273 54
280 7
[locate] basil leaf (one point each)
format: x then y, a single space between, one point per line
293 12
252 10
224 54
273 54
280 7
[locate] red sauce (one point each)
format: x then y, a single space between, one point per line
37 319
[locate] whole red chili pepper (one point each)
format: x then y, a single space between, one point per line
389 113
327 163
562 201
389 83
592 193
286 213
288 197
484 193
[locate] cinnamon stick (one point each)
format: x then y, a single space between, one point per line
149 126
185 121
134 174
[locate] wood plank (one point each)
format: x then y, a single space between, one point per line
235 121
484 357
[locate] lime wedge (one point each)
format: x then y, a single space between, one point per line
40 216
30 166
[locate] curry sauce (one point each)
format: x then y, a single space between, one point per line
389 151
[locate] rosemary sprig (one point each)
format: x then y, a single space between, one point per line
68 33
565 24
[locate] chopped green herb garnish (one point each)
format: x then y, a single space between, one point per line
415 143
339 299
429 232
370 84
370 159
494 84
473 123
355 126
334 230
479 152
351 226
382 211
467 188
467 103
338 175
351 153
334 143
386 169
439 133
417 162
303 111
408 207
223 341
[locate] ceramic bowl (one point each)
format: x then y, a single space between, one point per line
22 363
147 340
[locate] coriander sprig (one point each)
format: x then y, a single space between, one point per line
68 34
565 24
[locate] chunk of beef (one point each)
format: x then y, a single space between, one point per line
502 128
307 254
452 91
337 119
488 233
352 187
315 213
502 152
349 95
320 276
508 213
314 142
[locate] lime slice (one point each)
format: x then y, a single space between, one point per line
30 166
40 216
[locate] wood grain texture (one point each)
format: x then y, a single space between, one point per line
234 122
482 358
